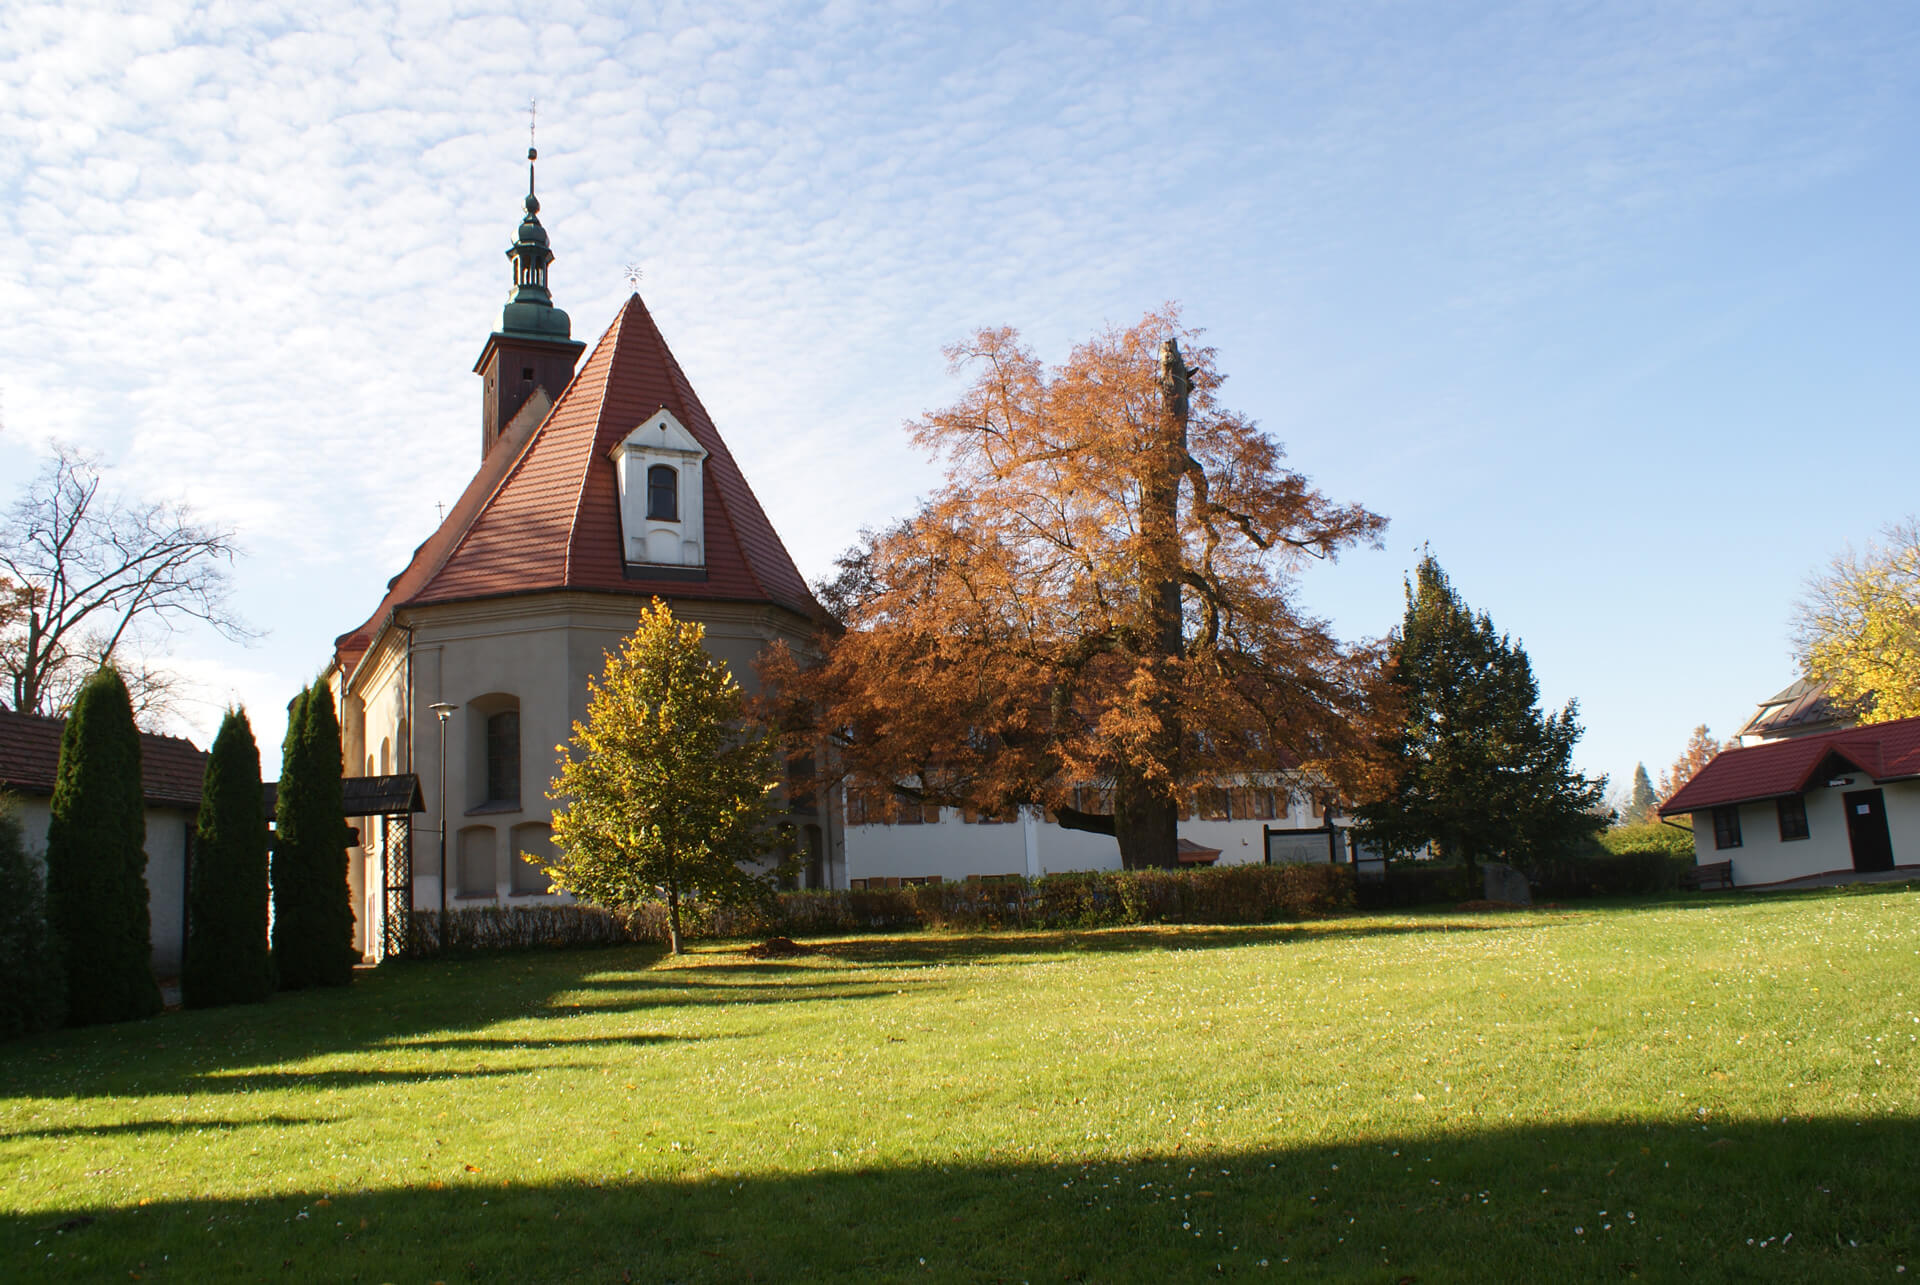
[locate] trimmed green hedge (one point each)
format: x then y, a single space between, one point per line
1226 895
1648 838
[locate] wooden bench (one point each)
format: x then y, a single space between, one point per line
1714 874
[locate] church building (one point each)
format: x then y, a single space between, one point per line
601 484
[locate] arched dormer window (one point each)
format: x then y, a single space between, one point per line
661 469
663 493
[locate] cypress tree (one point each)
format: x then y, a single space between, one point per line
312 907
227 961
33 979
97 862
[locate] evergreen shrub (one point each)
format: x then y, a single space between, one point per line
312 906
97 861
227 960
33 979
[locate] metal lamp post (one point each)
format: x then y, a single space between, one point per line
443 711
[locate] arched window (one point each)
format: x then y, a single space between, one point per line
503 757
663 494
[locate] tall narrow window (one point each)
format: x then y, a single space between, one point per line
1726 827
663 493
503 757
1793 816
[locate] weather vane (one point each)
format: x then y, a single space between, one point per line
633 277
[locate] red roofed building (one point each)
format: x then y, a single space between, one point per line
1831 803
598 489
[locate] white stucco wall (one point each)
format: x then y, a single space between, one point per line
955 849
536 651
166 849
1763 857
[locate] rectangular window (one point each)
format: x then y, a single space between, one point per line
1793 817
1250 804
503 757
1726 827
1212 804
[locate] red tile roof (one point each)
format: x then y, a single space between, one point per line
1883 751
170 767
543 514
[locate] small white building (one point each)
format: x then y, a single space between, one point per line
1275 820
1830 803
171 770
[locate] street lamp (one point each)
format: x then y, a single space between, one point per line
443 711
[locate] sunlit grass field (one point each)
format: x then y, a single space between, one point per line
1710 1088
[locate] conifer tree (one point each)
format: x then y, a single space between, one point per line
312 912
227 960
1481 771
33 979
1642 801
97 861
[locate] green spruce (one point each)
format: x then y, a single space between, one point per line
227 960
1481 772
33 978
312 907
97 861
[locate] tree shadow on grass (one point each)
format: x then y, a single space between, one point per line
1808 1200
127 1128
1018 945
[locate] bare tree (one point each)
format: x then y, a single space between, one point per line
87 579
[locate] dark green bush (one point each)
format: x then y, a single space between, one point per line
227 960
97 860
1608 874
1227 895
312 907
33 980
1420 883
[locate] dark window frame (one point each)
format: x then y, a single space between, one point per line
1793 817
663 493
503 757
1726 827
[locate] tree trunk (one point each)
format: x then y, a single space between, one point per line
673 918
1146 824
1146 820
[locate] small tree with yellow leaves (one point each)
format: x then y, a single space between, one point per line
664 787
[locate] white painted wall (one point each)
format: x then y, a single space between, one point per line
1763 857
166 849
539 650
954 848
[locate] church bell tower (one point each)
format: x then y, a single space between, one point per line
534 346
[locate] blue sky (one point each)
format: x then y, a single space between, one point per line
1612 305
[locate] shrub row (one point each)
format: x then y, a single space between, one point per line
1229 895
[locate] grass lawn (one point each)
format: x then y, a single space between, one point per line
1715 1088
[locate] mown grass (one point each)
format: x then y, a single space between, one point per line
1716 1088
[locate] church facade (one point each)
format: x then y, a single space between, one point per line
602 484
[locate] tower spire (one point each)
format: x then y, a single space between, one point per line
534 346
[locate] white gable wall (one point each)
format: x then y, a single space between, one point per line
1763 857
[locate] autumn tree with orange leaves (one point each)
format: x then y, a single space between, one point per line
1101 591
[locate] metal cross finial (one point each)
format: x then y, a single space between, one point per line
533 116
633 277
442 510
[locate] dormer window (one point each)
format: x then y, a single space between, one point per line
662 512
663 493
